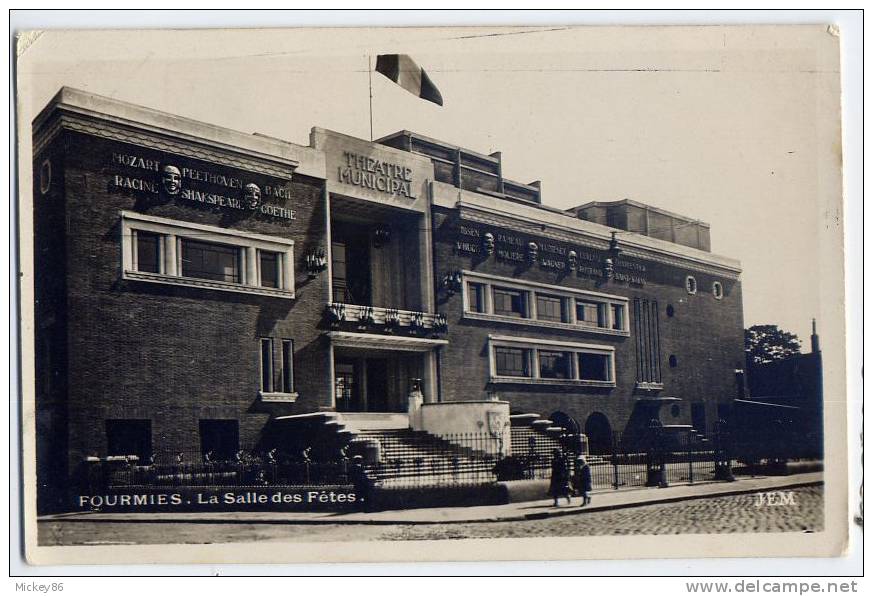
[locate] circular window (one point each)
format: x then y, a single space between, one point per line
675 410
717 290
45 177
690 284
670 310
674 362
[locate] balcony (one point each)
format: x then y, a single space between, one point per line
377 319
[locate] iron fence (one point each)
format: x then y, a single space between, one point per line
192 468
406 459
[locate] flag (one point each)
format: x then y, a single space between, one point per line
403 70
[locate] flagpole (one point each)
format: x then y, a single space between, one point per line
370 75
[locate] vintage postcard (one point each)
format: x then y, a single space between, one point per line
431 294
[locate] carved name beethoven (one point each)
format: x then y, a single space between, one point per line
169 179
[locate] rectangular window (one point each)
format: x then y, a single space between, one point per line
266 365
528 360
510 303
219 439
475 297
551 308
512 362
555 365
504 299
590 314
594 367
129 437
205 260
617 317
287 366
148 252
269 262
166 251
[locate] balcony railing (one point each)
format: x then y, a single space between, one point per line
384 319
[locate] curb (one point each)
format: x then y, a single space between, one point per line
570 510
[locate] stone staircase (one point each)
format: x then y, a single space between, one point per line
534 436
410 458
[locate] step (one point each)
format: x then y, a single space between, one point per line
522 419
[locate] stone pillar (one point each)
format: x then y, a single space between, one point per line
429 376
251 262
171 258
288 270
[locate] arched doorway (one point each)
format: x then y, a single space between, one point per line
599 433
571 441
565 421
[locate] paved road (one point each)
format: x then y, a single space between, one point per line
740 513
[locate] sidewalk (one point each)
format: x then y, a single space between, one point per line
602 501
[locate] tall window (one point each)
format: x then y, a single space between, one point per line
287 366
510 303
551 308
148 252
475 297
648 339
338 270
266 365
207 260
512 362
555 365
591 314
269 263
617 316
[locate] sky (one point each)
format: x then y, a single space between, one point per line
735 126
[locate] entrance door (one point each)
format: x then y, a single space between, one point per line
348 395
377 386
698 416
350 251
599 433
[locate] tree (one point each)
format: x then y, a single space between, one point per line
768 343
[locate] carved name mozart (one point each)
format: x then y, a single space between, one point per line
170 180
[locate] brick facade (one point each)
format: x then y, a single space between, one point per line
128 349
704 334
109 347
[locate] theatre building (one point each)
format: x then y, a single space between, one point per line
204 291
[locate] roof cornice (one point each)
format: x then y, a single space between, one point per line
72 109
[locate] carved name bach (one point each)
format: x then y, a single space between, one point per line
375 174
169 179
514 248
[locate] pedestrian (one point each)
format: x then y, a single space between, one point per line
582 479
559 486
362 483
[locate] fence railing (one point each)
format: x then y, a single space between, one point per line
422 460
